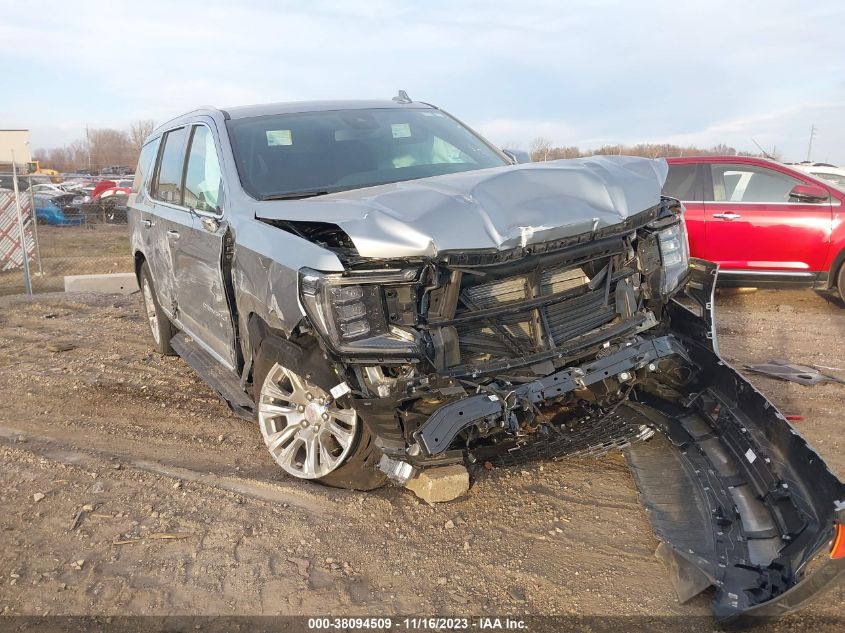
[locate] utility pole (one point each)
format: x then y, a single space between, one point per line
27 281
810 144
88 145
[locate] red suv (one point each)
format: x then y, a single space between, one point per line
764 223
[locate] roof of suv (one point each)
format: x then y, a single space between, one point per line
243 112
289 107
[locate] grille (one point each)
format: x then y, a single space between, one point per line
513 335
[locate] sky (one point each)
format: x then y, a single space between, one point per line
582 73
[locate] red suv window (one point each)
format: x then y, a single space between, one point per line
748 183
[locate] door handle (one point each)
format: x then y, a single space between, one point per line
173 235
730 215
146 223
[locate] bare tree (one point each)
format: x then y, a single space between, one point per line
41 155
110 147
138 133
540 148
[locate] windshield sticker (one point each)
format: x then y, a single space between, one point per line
401 130
279 137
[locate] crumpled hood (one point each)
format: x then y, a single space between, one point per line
497 208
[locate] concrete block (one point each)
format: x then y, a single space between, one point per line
113 283
443 483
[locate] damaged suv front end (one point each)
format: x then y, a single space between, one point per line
390 295
491 353
584 343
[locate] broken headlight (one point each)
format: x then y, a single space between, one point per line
674 254
664 255
350 312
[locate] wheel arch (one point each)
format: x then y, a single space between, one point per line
302 354
140 258
835 267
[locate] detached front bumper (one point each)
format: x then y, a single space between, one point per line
739 500
444 425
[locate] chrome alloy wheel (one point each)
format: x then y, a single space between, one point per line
150 305
303 428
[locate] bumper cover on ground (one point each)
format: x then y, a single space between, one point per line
738 498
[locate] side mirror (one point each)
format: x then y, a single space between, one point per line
811 194
517 155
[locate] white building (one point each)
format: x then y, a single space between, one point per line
16 141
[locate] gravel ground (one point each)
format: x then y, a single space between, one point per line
127 488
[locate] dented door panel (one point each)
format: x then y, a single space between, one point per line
201 286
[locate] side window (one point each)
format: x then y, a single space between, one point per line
145 160
203 181
680 183
168 184
748 183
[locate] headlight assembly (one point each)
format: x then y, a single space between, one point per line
674 253
351 312
664 255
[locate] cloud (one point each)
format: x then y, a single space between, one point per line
583 72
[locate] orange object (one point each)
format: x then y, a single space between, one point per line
838 549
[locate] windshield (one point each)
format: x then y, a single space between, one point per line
296 155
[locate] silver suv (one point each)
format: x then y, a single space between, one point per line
385 292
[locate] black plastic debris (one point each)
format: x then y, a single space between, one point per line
809 375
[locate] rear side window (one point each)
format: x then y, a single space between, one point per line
680 183
749 183
168 185
145 160
203 182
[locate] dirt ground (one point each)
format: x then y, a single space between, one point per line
72 250
107 448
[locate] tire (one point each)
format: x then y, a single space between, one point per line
161 328
840 281
358 468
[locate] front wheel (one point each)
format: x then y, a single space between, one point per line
840 281
308 434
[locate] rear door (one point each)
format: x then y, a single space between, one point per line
752 225
141 206
168 219
200 282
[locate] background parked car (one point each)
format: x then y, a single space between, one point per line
48 211
47 189
825 171
104 201
765 223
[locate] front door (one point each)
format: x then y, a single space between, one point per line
752 225
200 283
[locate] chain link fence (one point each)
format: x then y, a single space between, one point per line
74 227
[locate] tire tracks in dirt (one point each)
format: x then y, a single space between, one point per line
47 447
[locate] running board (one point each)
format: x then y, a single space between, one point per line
225 383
